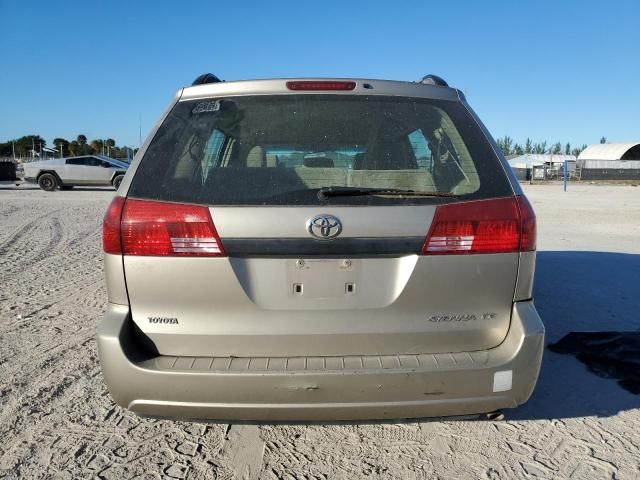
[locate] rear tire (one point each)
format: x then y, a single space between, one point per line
47 182
117 181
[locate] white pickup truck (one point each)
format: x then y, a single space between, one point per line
66 173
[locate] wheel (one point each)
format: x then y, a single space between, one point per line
66 187
47 182
117 181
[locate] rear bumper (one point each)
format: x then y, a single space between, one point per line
321 388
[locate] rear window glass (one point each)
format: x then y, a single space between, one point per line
280 150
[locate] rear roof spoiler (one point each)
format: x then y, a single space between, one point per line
434 80
206 78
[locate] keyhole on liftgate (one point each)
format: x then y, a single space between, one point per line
297 288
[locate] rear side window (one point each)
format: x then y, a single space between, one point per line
421 150
79 161
280 150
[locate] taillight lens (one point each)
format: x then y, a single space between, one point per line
320 85
111 227
528 220
486 226
168 229
160 229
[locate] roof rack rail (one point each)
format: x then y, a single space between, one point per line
206 78
433 80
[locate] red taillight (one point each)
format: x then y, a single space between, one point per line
528 219
320 85
111 227
485 226
168 229
141 227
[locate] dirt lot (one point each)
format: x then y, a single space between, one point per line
58 421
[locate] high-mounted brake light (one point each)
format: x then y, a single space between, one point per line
160 229
320 85
487 226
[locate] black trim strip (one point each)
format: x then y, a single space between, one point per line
310 246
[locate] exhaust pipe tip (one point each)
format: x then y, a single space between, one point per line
495 416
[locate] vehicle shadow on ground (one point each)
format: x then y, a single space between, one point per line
582 291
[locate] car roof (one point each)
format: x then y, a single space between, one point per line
278 86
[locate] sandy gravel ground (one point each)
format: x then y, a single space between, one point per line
58 421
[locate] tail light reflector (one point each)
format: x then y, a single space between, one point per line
487 226
320 85
161 229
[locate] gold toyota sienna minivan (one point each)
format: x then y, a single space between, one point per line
319 249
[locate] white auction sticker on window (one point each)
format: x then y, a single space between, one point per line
210 106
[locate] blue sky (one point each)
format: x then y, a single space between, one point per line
551 70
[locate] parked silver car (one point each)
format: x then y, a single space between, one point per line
319 249
66 173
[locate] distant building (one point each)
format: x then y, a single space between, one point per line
547 165
611 155
529 160
612 161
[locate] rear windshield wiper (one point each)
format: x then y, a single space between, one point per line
326 192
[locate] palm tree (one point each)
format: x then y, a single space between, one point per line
97 146
62 144
82 143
